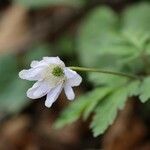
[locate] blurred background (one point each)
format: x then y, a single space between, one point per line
31 29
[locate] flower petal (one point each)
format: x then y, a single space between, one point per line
36 63
73 78
53 95
32 74
69 92
38 90
54 60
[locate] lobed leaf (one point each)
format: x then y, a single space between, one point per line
106 79
83 105
95 30
144 90
106 111
135 24
92 104
107 41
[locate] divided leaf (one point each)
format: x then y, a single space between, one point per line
134 88
105 40
106 112
136 25
109 42
106 79
92 104
96 30
145 90
83 105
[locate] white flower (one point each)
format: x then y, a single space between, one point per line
52 77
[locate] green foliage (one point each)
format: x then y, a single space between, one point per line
83 105
92 104
12 89
105 40
105 36
136 24
144 90
45 3
8 69
12 99
117 43
12 96
93 33
105 79
106 111
104 101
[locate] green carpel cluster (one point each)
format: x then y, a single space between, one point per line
57 71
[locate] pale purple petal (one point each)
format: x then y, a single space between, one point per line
53 95
69 92
73 78
38 90
32 74
54 60
36 63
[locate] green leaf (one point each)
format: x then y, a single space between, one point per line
147 48
95 98
106 79
107 42
83 105
98 27
13 98
12 89
46 3
144 90
8 70
106 112
134 88
136 24
71 113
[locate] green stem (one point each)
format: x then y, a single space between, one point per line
104 71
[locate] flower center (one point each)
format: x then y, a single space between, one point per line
54 75
57 71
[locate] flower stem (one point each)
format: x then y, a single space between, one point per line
105 72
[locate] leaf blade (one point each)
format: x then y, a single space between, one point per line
81 106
